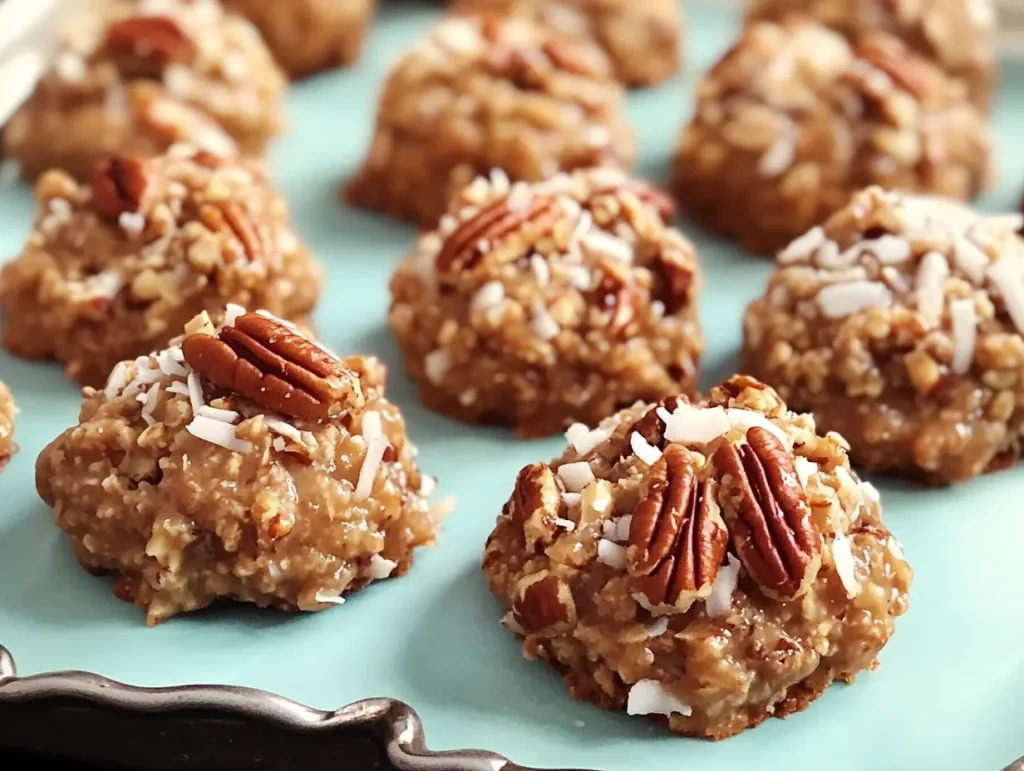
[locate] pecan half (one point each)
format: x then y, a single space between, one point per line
536 503
227 216
543 603
677 538
768 515
465 247
120 185
617 293
260 358
143 46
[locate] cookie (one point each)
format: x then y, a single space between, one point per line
135 77
958 36
7 412
709 565
793 120
484 92
537 305
899 324
115 267
245 462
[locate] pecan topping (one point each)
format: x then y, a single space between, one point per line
260 358
677 538
768 515
464 248
143 46
120 185
543 603
891 56
221 216
651 427
536 504
617 293
676 277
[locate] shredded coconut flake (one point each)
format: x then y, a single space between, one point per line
571 499
889 249
970 259
931 274
149 404
567 524
576 476
658 627
284 428
491 295
117 381
231 314
649 697
965 334
428 485
611 554
695 425
372 427
520 197
778 157
805 469
843 558
224 416
329 599
132 223
643 449
600 244
541 269
895 549
170 365
583 225
622 525
177 387
381 568
720 599
371 462
219 433
510 623
195 392
437 363
839 300
544 325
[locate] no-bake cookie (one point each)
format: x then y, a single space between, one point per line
899 324
245 463
135 76
7 411
794 119
710 565
484 92
307 36
641 37
114 268
957 35
540 304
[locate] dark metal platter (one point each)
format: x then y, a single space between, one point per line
88 719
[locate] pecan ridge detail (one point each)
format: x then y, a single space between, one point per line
262 359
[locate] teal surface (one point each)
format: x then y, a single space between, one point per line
949 695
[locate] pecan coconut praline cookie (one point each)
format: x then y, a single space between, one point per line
485 92
541 304
136 76
641 37
900 324
307 36
793 120
957 35
7 412
709 565
245 463
113 269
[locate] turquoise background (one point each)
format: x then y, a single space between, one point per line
948 696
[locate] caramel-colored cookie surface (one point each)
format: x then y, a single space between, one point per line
794 119
957 35
641 564
899 324
307 36
134 77
114 268
537 305
485 92
641 37
192 492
